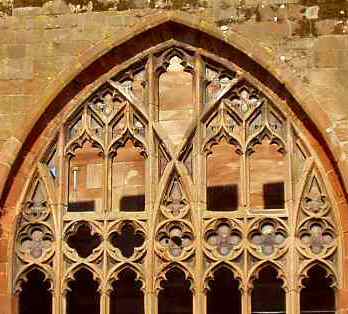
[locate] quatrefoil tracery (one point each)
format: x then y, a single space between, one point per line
223 239
106 102
126 240
36 210
83 240
244 100
35 242
317 236
267 238
174 240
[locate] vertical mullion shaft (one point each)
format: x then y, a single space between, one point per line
199 184
150 297
59 300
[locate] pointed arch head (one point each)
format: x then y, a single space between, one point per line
258 268
22 276
71 275
74 82
330 274
210 274
104 65
175 266
117 270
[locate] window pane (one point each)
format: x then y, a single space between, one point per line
126 297
175 100
83 296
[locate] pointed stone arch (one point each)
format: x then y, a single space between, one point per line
173 29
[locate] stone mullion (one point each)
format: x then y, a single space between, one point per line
246 301
149 271
292 296
104 302
59 299
104 295
246 297
198 209
107 172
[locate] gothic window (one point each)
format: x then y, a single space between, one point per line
177 185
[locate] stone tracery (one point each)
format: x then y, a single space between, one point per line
166 232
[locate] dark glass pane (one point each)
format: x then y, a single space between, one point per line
87 206
133 203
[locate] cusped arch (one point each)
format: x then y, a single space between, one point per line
115 271
162 274
71 272
22 276
210 273
330 271
255 273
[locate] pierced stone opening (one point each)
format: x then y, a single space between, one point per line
35 296
268 172
86 179
317 295
83 296
128 179
176 296
84 240
268 295
224 293
223 178
128 240
127 296
175 99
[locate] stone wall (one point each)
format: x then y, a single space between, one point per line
42 42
